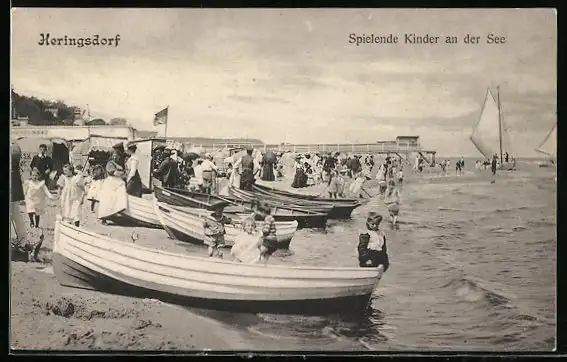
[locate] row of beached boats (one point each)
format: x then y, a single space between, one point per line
85 259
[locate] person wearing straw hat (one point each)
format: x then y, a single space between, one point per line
133 180
372 248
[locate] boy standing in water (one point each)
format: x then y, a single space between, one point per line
392 202
400 177
372 249
215 231
269 242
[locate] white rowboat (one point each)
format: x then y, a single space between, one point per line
84 259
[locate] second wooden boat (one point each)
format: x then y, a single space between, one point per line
186 224
140 212
235 206
335 210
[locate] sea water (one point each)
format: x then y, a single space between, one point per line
473 268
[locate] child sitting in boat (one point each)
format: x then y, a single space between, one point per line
372 249
268 241
215 231
246 244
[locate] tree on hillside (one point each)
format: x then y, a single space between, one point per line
37 110
119 121
96 122
65 114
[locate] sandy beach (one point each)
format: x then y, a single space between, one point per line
46 315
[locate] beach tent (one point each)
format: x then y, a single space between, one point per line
57 149
237 156
98 147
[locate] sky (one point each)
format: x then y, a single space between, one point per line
290 75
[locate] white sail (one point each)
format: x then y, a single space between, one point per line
549 144
486 134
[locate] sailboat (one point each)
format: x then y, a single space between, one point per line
490 135
548 147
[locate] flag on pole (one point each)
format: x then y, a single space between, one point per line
161 117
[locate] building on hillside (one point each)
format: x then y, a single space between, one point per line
20 122
54 111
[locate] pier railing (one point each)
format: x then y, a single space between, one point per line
329 147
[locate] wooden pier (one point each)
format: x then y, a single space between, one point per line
403 146
400 150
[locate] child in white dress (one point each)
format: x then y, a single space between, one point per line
96 180
35 195
71 193
245 248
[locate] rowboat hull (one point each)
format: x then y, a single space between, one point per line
83 259
186 224
305 197
279 200
335 210
140 212
179 197
305 218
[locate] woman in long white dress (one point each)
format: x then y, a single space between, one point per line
112 193
71 194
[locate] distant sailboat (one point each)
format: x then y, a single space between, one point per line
490 135
548 147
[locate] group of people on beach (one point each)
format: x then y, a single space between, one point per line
107 185
70 190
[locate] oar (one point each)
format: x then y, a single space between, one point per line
366 192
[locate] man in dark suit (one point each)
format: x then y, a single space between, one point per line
42 162
168 171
